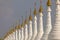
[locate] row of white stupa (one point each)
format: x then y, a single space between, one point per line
26 32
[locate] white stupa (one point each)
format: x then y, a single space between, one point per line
22 30
19 32
40 24
12 35
55 32
34 24
26 30
16 34
48 22
30 27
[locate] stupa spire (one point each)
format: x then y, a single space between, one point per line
49 3
26 20
41 8
18 26
34 12
22 25
30 17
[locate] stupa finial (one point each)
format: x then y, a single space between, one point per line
49 3
34 9
30 17
41 8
